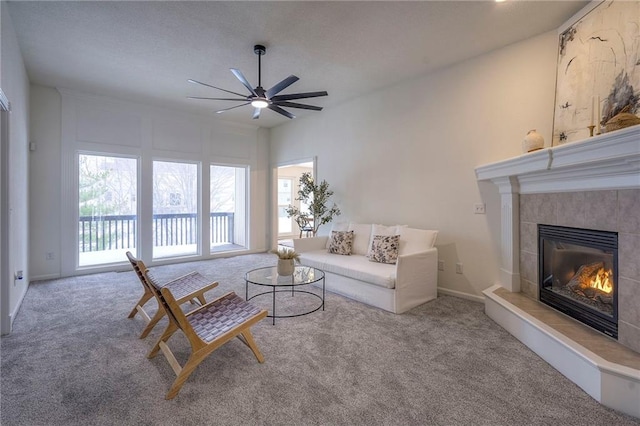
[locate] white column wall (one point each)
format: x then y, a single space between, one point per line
14 187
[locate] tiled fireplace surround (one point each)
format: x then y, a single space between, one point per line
613 210
593 184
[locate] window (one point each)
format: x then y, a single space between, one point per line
175 209
107 220
227 217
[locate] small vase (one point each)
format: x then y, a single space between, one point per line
532 142
285 266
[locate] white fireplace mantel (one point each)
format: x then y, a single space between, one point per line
606 161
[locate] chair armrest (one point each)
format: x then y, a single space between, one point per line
419 268
302 245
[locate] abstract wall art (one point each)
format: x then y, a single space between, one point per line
598 71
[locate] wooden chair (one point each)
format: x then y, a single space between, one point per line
207 328
185 288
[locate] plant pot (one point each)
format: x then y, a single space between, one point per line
285 266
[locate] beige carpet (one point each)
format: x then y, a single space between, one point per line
75 359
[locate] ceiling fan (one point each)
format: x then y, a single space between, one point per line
260 98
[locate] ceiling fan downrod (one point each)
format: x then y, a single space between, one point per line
259 50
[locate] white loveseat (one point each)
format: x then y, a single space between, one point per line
411 281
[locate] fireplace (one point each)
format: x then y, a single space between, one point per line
578 272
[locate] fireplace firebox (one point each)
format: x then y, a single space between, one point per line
578 272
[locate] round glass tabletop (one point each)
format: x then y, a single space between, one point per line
268 276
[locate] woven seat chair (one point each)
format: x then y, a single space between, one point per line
186 288
207 328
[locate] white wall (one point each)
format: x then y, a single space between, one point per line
15 84
406 154
64 122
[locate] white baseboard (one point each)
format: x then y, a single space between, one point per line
461 295
44 277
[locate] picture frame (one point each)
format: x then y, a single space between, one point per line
598 69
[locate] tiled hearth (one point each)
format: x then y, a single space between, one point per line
592 184
615 210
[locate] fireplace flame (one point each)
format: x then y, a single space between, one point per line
603 281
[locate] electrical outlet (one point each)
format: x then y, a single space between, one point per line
458 268
479 208
440 265
49 255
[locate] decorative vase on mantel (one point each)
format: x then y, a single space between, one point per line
532 142
285 266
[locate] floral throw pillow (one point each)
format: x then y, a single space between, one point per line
341 242
384 248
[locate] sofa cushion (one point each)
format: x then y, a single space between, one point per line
384 248
361 237
341 242
416 240
356 267
337 226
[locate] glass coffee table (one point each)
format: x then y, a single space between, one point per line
297 283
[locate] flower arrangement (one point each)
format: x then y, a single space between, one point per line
287 254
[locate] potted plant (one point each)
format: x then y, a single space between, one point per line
286 260
316 196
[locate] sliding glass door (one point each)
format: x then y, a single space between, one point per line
227 204
112 221
175 209
107 219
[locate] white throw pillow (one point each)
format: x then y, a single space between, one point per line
361 237
416 240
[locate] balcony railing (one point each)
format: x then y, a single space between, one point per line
115 232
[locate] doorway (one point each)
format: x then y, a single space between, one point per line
286 191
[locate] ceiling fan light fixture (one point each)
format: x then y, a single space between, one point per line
259 103
259 98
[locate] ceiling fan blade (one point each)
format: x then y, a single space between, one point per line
233 107
217 99
281 111
298 96
214 87
281 86
297 105
243 80
256 113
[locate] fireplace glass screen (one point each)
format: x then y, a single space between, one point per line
578 274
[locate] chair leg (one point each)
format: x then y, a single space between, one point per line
144 299
202 300
248 339
186 371
159 314
168 332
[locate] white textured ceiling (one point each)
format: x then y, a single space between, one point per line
146 51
